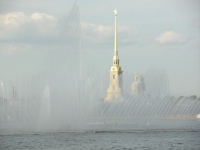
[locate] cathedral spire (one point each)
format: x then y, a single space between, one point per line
114 91
115 58
115 38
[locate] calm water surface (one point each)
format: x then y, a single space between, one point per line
147 140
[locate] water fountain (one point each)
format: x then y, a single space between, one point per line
67 98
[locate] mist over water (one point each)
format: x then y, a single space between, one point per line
68 95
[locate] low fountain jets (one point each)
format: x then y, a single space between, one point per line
69 97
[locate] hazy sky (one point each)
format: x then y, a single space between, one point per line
156 34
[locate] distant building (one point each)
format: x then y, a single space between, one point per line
138 86
156 83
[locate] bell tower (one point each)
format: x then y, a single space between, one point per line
114 91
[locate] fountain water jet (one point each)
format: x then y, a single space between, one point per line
72 102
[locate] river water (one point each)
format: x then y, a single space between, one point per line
134 140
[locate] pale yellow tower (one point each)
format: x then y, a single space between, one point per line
114 91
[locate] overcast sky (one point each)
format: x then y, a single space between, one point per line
156 34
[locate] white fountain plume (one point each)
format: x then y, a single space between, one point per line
69 96
45 109
3 99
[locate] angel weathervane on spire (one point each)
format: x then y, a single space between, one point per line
115 12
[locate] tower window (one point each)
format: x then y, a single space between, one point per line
113 76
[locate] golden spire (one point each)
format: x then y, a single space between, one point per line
115 40
114 90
